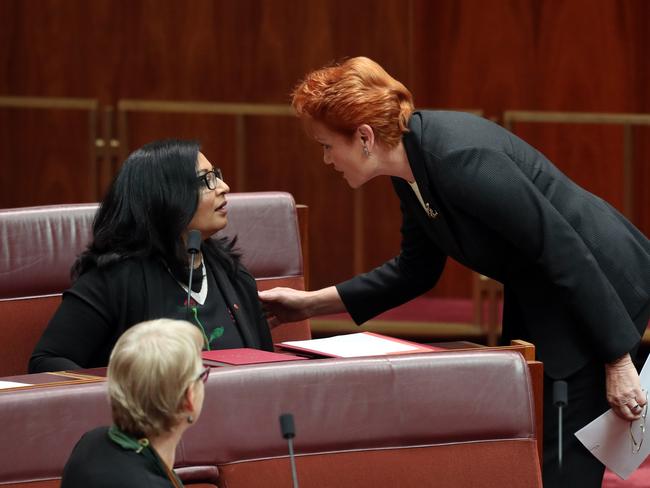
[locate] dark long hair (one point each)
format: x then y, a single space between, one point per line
147 208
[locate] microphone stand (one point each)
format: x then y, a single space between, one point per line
289 432
560 399
193 246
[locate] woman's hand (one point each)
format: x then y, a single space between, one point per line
624 392
288 305
284 305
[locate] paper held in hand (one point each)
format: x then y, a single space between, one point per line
358 345
611 439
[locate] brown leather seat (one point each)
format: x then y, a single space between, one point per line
436 419
39 244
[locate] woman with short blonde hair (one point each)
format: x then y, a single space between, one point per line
155 387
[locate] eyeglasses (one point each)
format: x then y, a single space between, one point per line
637 441
210 178
203 375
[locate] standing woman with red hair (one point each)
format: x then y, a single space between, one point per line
576 273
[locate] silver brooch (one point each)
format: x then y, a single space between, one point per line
431 213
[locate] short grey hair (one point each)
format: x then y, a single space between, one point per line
151 366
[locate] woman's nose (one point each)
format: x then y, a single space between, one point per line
222 187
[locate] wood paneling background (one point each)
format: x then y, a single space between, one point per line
494 55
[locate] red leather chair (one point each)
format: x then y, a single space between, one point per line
39 245
437 419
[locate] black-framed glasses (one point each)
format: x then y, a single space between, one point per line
210 178
637 440
203 375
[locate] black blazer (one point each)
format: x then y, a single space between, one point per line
97 462
576 273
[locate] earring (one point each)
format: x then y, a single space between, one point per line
190 419
366 153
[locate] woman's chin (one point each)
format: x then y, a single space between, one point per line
221 224
354 183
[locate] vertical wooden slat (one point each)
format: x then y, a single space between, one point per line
628 172
240 134
303 224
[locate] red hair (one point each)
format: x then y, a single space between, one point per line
355 92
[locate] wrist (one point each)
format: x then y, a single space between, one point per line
623 361
324 301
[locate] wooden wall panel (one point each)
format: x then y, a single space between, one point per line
641 179
216 133
283 158
45 165
596 167
563 56
486 54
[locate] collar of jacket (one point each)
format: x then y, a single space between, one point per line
422 167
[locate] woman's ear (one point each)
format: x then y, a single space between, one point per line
367 136
189 399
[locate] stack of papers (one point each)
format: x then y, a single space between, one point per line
358 345
5 385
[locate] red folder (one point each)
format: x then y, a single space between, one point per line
244 355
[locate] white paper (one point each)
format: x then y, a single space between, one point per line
354 345
12 384
608 437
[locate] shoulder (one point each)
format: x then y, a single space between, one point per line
115 274
112 270
440 133
102 285
446 120
98 462
241 274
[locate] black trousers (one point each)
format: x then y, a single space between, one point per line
586 401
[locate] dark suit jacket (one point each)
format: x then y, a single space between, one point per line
576 273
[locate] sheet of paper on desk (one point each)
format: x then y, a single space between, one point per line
608 438
12 384
358 345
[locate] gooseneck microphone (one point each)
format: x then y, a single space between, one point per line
289 432
560 399
193 245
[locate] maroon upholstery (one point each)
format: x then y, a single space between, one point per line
440 419
39 244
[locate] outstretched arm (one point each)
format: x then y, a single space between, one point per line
289 305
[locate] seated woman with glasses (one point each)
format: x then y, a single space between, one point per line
136 268
156 391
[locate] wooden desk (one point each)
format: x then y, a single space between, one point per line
59 378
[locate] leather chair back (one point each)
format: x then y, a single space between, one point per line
39 245
436 419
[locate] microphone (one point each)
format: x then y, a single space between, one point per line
289 432
560 399
193 245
